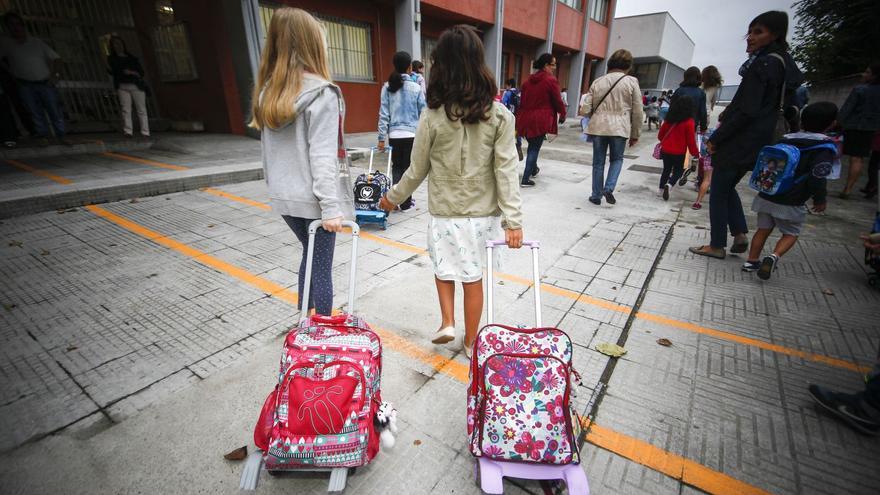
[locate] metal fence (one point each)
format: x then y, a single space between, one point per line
79 32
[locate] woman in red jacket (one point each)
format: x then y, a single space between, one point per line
540 106
676 138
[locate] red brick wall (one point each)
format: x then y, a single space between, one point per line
529 17
479 10
569 27
213 97
597 40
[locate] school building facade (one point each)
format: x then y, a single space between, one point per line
201 55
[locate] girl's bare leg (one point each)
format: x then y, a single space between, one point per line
473 309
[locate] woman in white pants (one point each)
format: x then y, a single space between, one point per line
128 78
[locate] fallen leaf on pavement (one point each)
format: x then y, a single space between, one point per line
71 348
134 200
14 243
609 349
828 292
237 454
211 226
417 442
699 227
45 253
664 342
8 306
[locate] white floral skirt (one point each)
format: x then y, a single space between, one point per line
457 246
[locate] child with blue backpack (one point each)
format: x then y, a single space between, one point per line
780 201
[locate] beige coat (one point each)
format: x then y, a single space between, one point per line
620 114
471 168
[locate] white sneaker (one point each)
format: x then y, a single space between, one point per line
468 350
444 335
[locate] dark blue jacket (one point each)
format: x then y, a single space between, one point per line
698 96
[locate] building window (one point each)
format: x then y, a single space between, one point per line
428 46
517 69
174 53
575 4
349 45
599 11
647 74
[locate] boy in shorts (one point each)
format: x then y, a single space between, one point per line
787 211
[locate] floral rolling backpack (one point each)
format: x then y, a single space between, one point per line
321 412
518 398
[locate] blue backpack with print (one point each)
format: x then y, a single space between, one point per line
776 167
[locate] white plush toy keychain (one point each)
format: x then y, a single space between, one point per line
386 420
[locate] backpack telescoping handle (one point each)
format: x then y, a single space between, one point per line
310 256
490 282
387 166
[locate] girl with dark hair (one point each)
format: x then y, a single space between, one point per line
690 87
676 137
711 83
860 119
128 78
540 108
400 106
464 147
747 124
418 74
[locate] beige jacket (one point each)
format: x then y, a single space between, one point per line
471 168
620 114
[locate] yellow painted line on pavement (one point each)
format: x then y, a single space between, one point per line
612 306
144 161
672 465
36 171
648 455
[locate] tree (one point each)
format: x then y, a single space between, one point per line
836 38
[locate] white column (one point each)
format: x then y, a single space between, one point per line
547 45
407 27
492 42
576 71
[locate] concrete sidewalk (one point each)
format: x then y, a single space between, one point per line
146 334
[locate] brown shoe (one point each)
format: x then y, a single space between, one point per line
741 246
709 251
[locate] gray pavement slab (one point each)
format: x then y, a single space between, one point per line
119 351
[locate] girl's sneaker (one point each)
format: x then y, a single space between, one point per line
768 264
444 335
696 206
751 266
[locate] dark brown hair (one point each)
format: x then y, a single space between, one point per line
776 22
711 77
691 77
460 81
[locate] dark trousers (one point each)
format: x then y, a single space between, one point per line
725 207
8 131
41 98
321 288
873 170
532 156
673 167
400 158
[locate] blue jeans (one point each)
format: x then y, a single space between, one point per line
41 98
725 207
532 156
321 288
601 145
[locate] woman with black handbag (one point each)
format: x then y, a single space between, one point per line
128 79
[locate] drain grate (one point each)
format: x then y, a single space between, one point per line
645 168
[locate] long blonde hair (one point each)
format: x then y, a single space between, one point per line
294 44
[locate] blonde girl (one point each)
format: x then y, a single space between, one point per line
300 113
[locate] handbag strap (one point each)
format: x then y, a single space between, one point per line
606 95
782 91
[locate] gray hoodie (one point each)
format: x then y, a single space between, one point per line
304 176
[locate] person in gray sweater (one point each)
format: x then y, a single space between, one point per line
300 114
